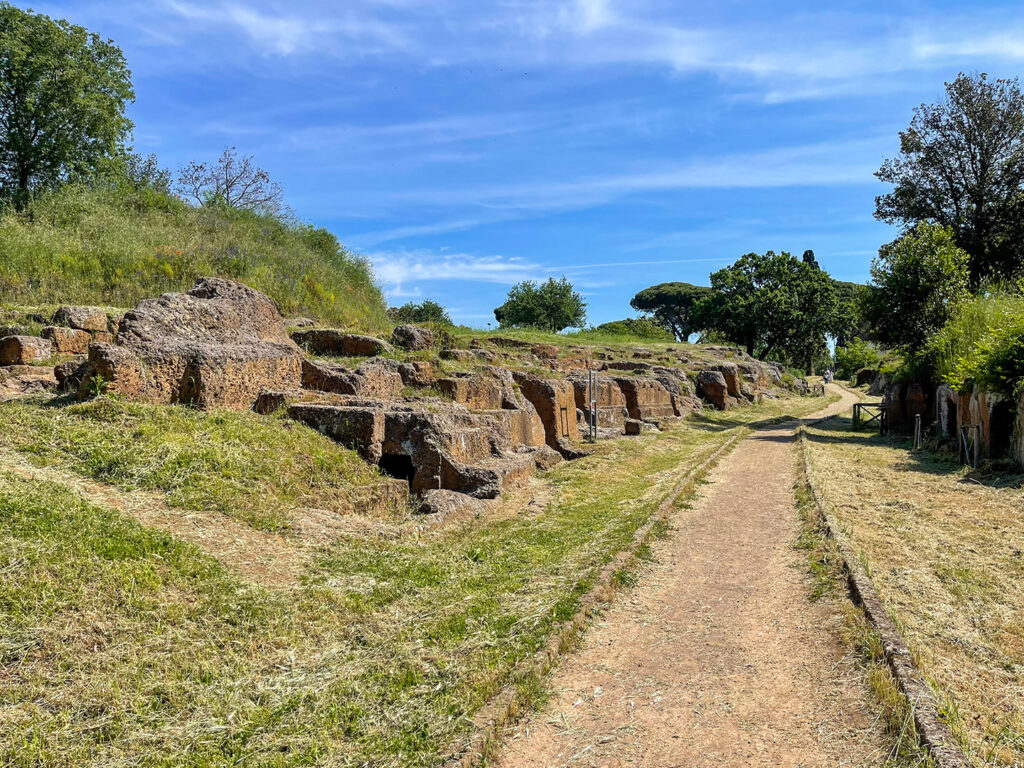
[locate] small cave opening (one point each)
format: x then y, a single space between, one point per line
398 466
1000 429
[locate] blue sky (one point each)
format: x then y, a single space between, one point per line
464 145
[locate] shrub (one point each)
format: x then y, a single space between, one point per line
983 343
641 327
854 356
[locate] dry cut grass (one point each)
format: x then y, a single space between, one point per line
946 553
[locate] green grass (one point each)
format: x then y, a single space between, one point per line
254 468
584 337
99 246
123 645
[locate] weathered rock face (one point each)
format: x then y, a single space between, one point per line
478 393
216 346
335 343
448 448
731 373
369 381
555 401
412 337
67 341
461 355
611 403
713 388
23 350
646 399
82 318
443 503
419 373
22 380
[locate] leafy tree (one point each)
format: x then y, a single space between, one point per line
850 322
856 355
425 312
63 92
234 180
142 173
775 305
916 283
673 306
961 165
640 327
550 306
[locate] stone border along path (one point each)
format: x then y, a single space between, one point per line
717 657
932 730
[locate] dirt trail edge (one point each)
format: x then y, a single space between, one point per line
717 657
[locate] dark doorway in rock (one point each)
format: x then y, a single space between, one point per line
1000 429
398 466
950 427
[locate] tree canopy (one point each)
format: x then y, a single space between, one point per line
426 311
916 282
961 165
550 306
775 305
63 92
673 306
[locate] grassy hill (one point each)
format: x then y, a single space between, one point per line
111 247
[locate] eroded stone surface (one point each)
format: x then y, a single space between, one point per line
23 350
217 345
82 318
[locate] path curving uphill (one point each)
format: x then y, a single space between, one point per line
717 657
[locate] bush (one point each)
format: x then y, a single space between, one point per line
854 356
104 244
425 312
641 327
983 343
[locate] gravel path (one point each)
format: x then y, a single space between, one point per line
717 657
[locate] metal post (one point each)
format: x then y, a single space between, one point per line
593 405
917 432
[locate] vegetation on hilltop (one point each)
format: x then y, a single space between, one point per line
104 244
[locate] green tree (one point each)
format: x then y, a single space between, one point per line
550 306
916 283
426 311
641 327
856 355
673 306
961 165
63 92
775 305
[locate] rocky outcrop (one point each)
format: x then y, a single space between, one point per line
82 318
444 447
369 381
412 337
330 342
555 401
24 350
18 381
67 341
476 392
611 403
713 388
646 399
216 346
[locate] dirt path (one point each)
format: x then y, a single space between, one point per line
717 658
